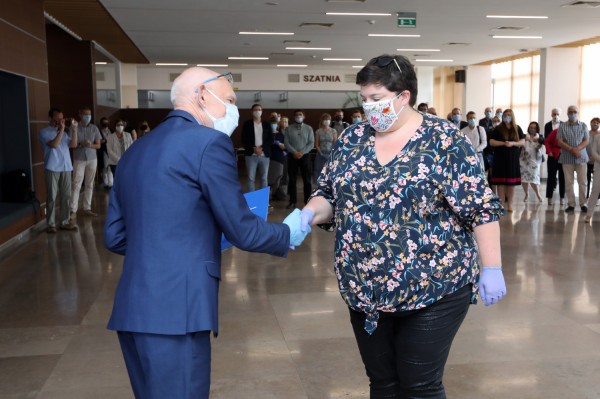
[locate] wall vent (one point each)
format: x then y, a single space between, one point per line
316 24
457 44
294 78
584 4
350 78
100 77
296 42
237 77
512 28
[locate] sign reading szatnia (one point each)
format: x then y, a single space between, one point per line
321 78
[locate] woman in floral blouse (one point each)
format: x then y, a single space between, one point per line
414 221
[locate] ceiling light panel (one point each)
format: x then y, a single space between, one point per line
360 14
268 33
517 16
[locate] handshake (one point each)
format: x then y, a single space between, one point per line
299 224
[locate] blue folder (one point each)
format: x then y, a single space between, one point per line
258 202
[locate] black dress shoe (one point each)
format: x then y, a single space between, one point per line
584 208
570 209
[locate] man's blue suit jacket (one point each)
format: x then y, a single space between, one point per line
175 192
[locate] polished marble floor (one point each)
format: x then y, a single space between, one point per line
285 331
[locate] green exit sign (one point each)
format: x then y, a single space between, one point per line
407 20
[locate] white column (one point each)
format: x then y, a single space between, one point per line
425 85
559 81
478 94
129 86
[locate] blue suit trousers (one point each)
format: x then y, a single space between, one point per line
167 366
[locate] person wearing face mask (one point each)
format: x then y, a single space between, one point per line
176 193
455 117
476 135
573 137
325 136
143 129
594 152
118 143
85 163
553 123
530 160
56 142
409 208
486 121
499 113
299 142
488 152
104 175
507 140
257 139
423 107
338 121
356 117
553 167
277 160
591 159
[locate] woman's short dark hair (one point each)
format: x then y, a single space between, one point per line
537 126
395 76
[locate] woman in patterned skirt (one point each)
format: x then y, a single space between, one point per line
530 160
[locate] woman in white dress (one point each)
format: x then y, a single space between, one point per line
531 160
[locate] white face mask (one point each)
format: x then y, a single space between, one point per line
326 122
227 123
556 118
381 114
257 114
119 129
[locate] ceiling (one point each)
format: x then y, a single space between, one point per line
207 31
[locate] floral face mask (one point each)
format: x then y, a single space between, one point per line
381 115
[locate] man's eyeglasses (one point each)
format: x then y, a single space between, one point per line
226 75
385 60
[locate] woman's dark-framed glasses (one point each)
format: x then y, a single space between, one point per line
385 60
226 75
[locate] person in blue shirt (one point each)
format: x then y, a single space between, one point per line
58 167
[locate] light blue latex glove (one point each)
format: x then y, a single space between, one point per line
306 218
294 222
492 287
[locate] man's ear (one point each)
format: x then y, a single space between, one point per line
201 94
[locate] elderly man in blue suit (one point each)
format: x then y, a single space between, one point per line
176 191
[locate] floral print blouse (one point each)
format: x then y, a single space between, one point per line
404 230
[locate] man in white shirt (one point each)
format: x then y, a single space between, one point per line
476 134
554 122
257 138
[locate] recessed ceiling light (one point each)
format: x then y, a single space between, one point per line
267 33
518 16
342 59
357 66
390 35
515 37
100 63
362 14
434 60
292 65
247 58
417 49
308 48
213 65
170 64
